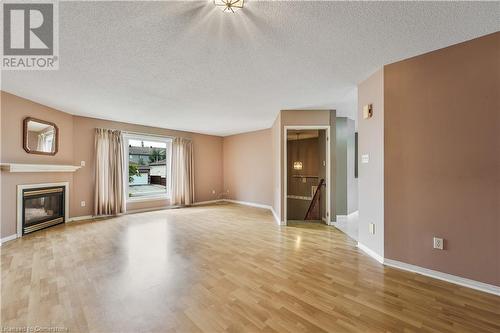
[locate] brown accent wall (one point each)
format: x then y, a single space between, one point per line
76 144
248 167
442 159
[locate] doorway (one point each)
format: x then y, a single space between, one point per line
307 175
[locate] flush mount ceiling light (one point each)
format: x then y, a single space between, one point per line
229 6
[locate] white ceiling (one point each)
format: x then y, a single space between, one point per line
186 65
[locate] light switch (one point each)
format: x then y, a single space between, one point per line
82 204
371 228
365 158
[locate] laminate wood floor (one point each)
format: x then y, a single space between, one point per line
221 268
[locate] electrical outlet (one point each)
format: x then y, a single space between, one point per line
82 203
227 191
213 191
438 243
82 163
371 228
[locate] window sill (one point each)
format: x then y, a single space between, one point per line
148 198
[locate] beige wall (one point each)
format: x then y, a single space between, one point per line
371 174
77 144
13 111
207 159
248 167
442 159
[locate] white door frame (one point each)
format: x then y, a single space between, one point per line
328 171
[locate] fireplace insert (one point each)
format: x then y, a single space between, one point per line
42 208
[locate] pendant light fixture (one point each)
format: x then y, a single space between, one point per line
229 6
297 165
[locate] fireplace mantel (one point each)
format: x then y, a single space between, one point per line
19 167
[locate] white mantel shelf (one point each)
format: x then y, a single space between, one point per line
19 167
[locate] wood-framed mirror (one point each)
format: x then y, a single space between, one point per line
40 137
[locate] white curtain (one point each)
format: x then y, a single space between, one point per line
46 141
110 172
182 172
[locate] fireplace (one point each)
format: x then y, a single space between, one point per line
42 208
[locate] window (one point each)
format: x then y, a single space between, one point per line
148 167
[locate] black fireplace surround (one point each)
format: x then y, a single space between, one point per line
42 208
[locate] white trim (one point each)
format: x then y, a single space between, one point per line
20 189
371 253
328 165
276 218
144 210
257 205
346 217
8 238
163 197
251 204
19 167
148 137
141 210
488 288
481 286
80 218
207 202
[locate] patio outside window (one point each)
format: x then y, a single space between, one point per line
148 167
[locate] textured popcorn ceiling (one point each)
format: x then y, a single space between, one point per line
187 65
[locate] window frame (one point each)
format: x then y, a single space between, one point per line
146 137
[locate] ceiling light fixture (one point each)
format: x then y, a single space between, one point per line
229 6
297 165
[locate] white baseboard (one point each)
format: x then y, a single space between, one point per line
371 253
341 218
346 217
8 238
488 288
80 218
481 286
207 202
276 218
253 204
